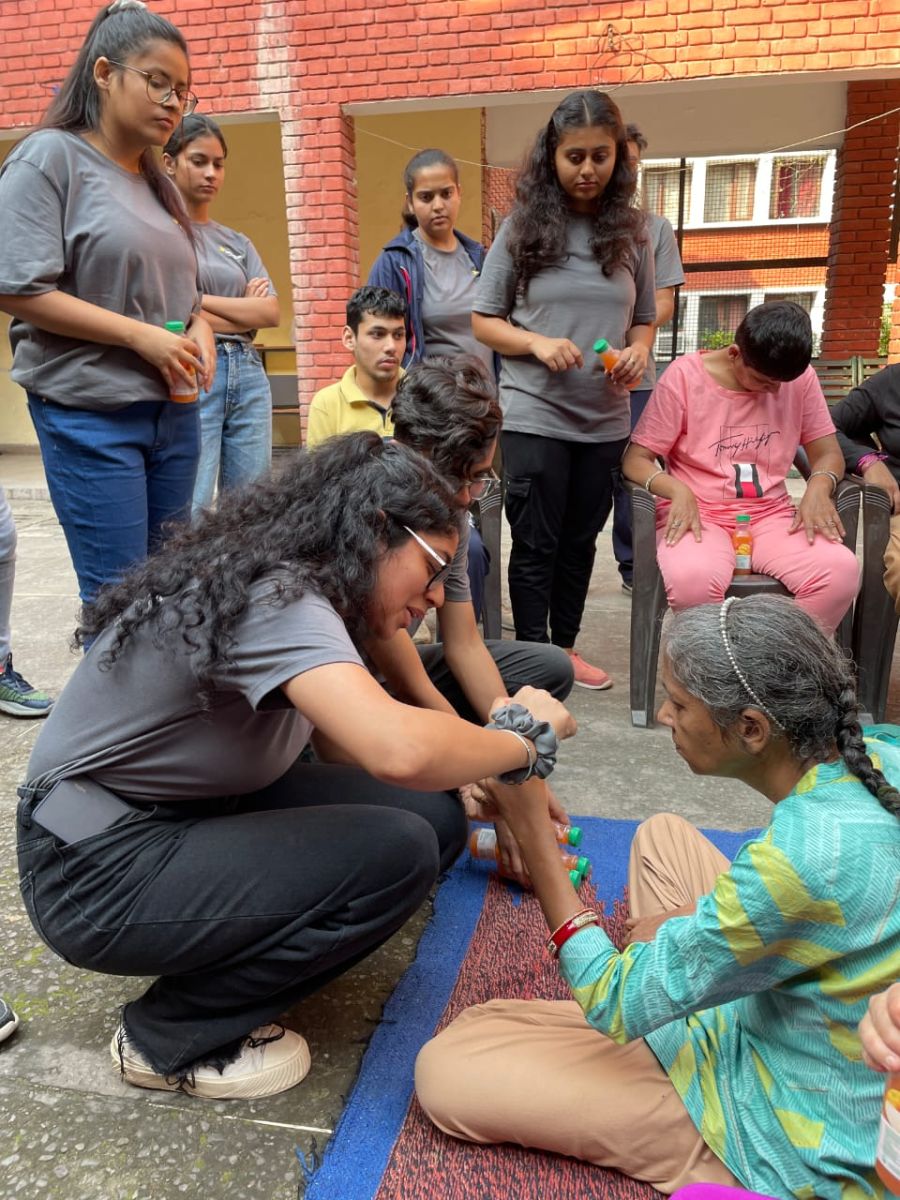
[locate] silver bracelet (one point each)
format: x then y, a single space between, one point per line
652 476
831 475
530 759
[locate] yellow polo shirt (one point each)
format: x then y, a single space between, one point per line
342 408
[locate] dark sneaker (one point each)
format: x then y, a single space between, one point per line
18 698
9 1022
626 586
271 1060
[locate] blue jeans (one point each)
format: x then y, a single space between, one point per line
235 423
621 530
116 478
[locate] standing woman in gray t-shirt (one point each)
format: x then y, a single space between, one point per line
435 268
238 299
570 265
96 256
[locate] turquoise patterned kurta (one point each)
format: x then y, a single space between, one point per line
751 1004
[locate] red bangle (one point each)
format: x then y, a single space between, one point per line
560 936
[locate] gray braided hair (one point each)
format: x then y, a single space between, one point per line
786 667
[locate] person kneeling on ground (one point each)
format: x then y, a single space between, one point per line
169 827
728 424
721 1044
448 410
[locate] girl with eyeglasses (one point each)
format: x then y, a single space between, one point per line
206 850
238 298
97 255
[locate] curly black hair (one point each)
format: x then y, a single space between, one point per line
539 220
324 524
447 409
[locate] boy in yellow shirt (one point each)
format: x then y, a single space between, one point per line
375 334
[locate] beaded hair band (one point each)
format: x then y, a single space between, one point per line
723 616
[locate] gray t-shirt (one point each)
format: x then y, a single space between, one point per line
138 728
450 281
73 220
575 300
668 270
227 261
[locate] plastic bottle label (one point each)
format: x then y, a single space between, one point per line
183 392
889 1134
485 843
742 553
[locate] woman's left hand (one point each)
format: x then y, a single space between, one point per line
200 330
257 288
631 365
816 513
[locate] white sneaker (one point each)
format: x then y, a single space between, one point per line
272 1059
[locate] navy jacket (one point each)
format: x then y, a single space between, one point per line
401 267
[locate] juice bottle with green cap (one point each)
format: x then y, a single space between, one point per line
743 545
483 844
182 392
567 835
609 357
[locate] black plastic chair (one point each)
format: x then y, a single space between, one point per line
874 617
648 596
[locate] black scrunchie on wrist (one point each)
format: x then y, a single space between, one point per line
541 734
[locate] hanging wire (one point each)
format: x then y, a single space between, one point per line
617 45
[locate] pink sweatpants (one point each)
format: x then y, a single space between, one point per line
823 577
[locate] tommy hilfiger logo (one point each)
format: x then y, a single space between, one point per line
746 481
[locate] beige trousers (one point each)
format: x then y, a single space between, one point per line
892 563
533 1072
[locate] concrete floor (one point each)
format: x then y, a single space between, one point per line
74 1130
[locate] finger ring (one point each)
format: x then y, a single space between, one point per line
675 523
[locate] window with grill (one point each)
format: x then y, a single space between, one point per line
659 186
717 319
804 299
729 191
796 187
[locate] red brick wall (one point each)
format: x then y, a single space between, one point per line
305 58
861 221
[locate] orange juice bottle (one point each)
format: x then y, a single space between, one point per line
483 845
887 1160
609 357
743 545
606 354
567 835
181 391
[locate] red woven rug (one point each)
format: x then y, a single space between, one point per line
486 941
506 958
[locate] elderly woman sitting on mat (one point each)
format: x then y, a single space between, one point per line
721 1045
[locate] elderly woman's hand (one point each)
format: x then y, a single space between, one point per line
683 516
816 512
879 1031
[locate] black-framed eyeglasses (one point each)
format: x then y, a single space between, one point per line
445 567
160 89
481 483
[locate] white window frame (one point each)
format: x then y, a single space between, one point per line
689 307
762 191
